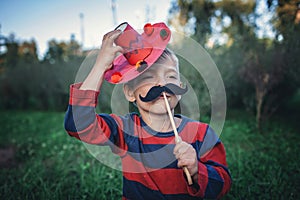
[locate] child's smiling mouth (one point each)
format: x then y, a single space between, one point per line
167 95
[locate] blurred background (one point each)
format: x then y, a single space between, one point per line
254 43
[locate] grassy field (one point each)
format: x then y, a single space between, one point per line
38 160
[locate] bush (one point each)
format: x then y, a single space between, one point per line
39 86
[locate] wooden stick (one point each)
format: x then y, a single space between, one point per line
186 171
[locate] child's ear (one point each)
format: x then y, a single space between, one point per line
129 93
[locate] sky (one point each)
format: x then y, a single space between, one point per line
43 20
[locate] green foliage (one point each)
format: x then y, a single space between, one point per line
61 51
260 74
48 164
27 83
17 52
37 86
197 84
229 62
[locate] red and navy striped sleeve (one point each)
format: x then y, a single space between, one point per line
214 179
82 122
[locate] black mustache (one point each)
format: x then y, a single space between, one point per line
156 91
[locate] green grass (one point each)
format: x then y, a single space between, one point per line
264 165
48 164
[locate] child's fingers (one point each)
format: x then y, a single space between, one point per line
110 37
184 151
180 149
185 162
178 141
178 145
117 49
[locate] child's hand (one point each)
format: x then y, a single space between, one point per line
186 155
104 61
108 51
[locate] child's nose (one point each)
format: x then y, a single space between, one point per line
161 81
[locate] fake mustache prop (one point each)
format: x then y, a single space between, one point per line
156 91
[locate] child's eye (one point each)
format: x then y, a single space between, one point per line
173 77
147 77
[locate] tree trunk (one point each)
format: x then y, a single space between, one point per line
260 94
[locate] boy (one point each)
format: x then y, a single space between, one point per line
152 161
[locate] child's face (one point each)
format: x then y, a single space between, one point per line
156 75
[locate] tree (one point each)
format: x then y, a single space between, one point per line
62 51
246 60
200 12
28 51
55 51
264 70
17 52
287 23
11 56
203 12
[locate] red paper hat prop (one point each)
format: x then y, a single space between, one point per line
140 51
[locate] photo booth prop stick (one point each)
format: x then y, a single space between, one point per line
187 173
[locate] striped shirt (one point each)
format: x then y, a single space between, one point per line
149 166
